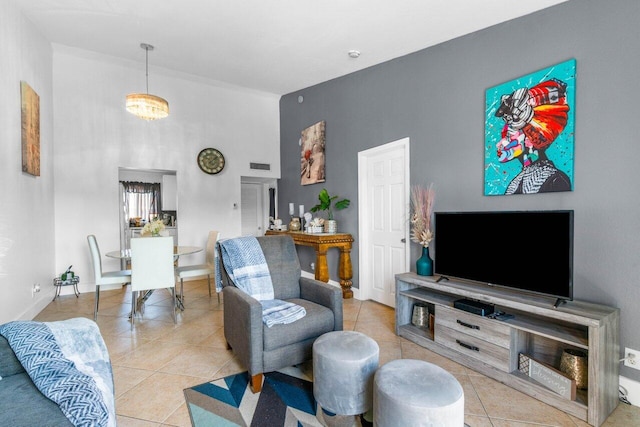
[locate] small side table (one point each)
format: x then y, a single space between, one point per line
59 283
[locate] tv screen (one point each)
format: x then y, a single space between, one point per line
530 251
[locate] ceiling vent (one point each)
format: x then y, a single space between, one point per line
262 166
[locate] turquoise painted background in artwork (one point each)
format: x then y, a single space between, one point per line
498 175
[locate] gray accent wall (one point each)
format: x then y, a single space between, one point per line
436 97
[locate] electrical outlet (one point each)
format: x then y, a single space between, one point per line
35 289
632 358
313 266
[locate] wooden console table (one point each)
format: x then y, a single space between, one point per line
321 242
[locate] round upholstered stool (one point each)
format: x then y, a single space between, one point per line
344 363
416 393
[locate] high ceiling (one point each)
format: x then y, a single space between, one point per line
275 46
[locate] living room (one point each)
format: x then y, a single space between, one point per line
435 97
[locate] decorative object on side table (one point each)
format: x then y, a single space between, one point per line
328 203
422 199
277 225
307 221
294 224
153 228
316 225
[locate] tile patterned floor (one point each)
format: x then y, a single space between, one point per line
157 359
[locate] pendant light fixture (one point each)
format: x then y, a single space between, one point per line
145 105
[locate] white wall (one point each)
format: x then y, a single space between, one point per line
86 135
26 201
95 135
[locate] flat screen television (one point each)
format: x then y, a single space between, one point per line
529 251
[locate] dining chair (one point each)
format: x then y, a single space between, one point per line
208 269
151 269
101 277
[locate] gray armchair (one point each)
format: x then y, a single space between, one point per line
261 349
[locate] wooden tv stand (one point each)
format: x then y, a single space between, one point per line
537 329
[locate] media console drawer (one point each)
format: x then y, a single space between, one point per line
489 353
472 324
473 335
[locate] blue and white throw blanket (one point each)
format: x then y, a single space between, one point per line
246 266
69 363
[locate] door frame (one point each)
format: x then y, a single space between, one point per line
364 215
265 183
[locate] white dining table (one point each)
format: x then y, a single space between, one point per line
178 251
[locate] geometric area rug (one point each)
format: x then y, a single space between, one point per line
286 399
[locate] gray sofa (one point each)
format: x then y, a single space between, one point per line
260 348
21 403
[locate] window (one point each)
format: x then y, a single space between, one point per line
140 200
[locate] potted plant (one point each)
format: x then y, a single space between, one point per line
329 203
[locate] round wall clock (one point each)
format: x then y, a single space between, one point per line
211 161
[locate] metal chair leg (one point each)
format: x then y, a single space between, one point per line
175 303
180 299
95 310
133 308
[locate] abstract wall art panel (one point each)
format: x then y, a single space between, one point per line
30 106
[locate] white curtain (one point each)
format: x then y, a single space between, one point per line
139 200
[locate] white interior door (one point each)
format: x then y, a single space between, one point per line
383 194
251 202
254 203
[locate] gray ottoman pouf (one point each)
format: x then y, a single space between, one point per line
344 363
416 393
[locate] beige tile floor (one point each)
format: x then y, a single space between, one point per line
155 361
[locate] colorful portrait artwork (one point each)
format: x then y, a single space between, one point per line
312 154
529 133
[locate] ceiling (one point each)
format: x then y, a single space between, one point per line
274 46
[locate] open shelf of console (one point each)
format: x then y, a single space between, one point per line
537 329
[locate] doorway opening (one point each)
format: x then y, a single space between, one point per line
145 195
257 203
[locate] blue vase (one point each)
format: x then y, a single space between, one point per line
424 264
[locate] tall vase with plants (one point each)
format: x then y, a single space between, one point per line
422 199
329 203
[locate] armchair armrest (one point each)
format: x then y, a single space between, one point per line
241 311
323 294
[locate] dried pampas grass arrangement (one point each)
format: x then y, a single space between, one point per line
422 199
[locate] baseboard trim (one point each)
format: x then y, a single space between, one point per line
633 390
42 302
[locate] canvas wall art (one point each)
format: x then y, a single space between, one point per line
312 158
529 133
30 106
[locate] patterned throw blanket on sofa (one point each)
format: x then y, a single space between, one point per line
247 268
69 363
